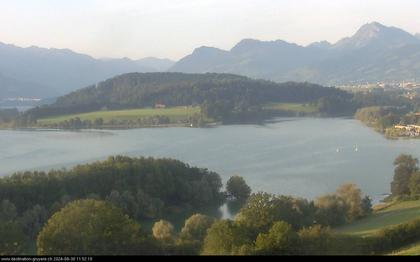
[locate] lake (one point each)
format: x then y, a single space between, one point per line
303 157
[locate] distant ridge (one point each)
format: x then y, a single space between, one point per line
374 53
51 72
378 36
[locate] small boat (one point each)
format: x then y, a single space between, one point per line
356 148
337 150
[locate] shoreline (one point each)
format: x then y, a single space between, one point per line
270 120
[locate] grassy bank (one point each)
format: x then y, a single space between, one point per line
389 215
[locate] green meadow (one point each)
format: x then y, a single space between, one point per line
174 114
392 214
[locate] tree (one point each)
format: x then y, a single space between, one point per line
351 195
414 184
192 235
164 231
237 188
258 213
32 220
148 207
90 227
12 239
366 206
226 237
263 209
195 228
234 206
98 122
405 166
346 205
315 240
331 210
280 240
7 211
126 201
164 235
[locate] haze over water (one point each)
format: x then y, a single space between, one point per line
301 157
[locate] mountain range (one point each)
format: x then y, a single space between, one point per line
374 53
41 72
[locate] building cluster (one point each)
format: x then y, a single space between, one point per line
408 130
388 85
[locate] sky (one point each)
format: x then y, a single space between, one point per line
174 28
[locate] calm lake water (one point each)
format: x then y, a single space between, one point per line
303 157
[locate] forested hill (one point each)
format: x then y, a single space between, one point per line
226 91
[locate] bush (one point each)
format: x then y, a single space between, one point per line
394 237
226 237
280 240
315 240
237 188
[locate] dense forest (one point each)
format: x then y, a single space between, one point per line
221 96
156 185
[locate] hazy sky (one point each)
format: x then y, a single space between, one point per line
173 28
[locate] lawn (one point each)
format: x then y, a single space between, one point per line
394 214
292 107
174 114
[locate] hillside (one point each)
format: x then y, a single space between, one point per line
374 53
12 88
388 215
221 96
51 72
411 250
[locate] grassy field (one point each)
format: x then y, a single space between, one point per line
393 214
174 114
412 250
292 107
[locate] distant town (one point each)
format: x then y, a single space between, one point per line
386 85
22 99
